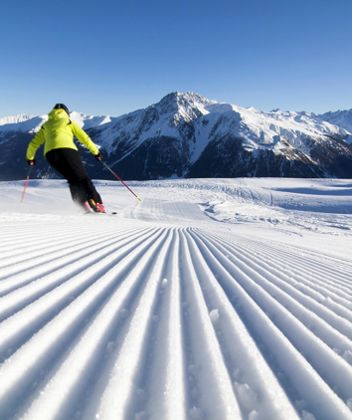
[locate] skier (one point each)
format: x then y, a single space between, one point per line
60 151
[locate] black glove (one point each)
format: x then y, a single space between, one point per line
98 157
31 162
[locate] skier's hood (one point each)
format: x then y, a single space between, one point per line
58 114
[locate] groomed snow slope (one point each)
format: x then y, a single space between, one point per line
211 299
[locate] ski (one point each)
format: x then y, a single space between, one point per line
108 213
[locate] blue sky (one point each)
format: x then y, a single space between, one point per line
112 57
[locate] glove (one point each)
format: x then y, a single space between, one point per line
98 157
31 162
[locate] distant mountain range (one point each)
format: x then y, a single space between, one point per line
188 135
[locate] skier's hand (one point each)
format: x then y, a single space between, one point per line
31 162
98 157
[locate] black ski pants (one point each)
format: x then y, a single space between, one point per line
67 162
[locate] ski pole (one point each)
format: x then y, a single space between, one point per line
119 179
26 183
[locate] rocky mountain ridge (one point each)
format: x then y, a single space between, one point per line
188 135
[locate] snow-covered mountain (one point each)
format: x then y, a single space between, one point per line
21 122
342 119
188 135
29 123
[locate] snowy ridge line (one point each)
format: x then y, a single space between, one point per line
322 270
303 295
139 401
32 290
252 377
321 255
310 269
328 296
324 303
305 291
273 286
306 382
41 310
21 250
22 274
334 285
35 256
314 281
99 334
134 319
16 242
127 364
317 353
318 260
161 370
36 252
51 236
200 334
38 312
63 331
322 261
165 352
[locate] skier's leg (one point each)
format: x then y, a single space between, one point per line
91 190
67 163
77 193
61 161
82 186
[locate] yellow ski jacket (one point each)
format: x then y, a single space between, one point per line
57 133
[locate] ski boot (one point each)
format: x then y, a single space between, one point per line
96 207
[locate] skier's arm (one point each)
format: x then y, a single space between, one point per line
35 143
83 137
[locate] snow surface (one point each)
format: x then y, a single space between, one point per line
210 299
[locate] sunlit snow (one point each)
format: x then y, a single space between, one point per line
210 299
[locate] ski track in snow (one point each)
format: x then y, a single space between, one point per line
161 314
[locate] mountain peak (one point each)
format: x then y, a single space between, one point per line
186 134
175 100
21 122
342 118
15 119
